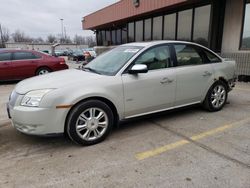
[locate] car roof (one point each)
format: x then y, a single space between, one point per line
152 43
16 50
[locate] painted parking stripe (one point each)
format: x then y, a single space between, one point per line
162 149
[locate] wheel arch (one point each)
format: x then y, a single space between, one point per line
102 99
222 79
43 66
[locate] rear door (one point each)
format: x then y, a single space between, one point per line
5 66
193 74
24 64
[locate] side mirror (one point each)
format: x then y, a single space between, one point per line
139 68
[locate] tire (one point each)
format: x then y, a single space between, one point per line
90 122
42 71
216 97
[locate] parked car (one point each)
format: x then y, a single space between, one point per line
131 80
76 55
20 64
91 51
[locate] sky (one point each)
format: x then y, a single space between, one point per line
41 18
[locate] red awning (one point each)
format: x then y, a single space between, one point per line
125 9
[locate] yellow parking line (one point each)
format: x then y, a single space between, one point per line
157 151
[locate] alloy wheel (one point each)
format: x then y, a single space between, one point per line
92 124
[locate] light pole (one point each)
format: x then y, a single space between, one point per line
62 27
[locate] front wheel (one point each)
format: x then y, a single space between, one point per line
216 97
90 122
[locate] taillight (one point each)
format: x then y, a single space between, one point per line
86 54
62 63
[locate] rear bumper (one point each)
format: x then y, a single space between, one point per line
60 67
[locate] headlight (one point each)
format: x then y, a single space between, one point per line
33 98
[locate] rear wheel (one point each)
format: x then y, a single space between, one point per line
90 122
42 71
216 97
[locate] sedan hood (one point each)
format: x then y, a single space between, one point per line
56 80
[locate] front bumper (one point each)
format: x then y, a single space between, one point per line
37 121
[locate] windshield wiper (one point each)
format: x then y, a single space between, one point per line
91 70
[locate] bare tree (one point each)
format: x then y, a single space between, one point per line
19 36
91 41
65 40
4 36
38 40
51 38
79 40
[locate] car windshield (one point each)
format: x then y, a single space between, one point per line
112 61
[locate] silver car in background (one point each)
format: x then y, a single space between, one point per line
131 80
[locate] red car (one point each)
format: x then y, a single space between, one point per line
20 64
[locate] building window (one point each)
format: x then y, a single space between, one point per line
131 32
147 29
139 31
157 28
113 33
201 25
185 25
124 35
99 38
108 38
103 36
118 36
169 26
245 41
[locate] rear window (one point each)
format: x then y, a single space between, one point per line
5 56
24 55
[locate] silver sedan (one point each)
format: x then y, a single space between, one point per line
131 80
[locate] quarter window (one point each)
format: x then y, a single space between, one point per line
5 56
24 55
187 55
211 57
156 58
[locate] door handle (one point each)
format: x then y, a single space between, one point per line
166 81
207 73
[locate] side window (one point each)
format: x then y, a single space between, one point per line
24 55
211 57
187 55
156 58
5 56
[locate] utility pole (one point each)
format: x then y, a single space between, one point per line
62 27
1 33
65 35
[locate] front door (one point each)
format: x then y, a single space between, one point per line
154 90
